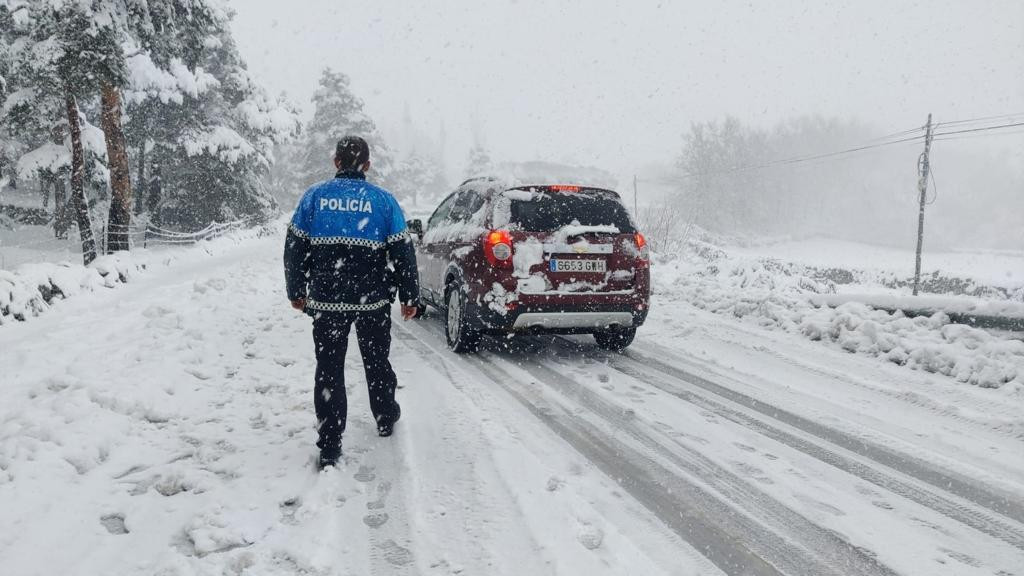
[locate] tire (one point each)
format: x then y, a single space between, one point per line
615 340
462 338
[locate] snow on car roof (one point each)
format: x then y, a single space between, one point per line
519 174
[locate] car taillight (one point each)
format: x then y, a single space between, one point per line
498 248
643 252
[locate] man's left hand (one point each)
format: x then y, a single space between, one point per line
299 304
409 312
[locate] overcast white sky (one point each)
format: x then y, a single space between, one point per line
615 84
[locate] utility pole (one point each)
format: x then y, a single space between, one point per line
635 213
922 190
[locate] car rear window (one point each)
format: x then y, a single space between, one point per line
549 211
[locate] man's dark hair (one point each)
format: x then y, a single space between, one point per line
351 153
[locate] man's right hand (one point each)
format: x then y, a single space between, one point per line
299 304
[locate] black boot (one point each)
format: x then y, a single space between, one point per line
386 426
329 457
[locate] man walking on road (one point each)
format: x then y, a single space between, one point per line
344 233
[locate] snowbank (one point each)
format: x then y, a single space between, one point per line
788 296
949 304
32 289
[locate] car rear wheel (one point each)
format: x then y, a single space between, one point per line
615 340
462 338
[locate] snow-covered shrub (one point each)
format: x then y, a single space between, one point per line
31 289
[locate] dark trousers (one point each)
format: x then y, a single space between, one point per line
330 335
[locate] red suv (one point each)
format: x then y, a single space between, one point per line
539 259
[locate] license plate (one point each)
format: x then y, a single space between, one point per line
577 265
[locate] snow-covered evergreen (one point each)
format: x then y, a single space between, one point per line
479 162
200 131
338 112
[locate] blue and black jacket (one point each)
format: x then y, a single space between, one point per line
340 241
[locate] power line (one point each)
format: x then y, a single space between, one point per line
813 157
806 158
840 152
982 119
799 159
1001 126
784 161
897 134
968 136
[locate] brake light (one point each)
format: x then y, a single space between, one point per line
643 252
564 188
498 248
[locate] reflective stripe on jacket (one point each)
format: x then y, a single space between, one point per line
344 233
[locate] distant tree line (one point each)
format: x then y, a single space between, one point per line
728 179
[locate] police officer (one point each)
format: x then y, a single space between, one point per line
343 236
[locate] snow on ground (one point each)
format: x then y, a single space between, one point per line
31 288
1003 268
166 428
791 296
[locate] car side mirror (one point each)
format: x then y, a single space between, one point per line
416 227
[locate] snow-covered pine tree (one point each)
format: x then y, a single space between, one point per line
107 32
417 179
339 112
56 49
59 52
479 162
167 39
206 127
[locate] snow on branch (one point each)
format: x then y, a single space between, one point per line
150 81
222 142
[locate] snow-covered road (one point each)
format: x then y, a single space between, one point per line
166 428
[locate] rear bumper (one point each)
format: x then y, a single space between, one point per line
566 315
535 321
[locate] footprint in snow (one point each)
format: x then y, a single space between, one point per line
198 374
590 536
114 523
288 509
753 472
376 520
383 489
394 554
365 474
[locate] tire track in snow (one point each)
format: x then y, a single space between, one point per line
992 498
668 378
736 543
828 547
1009 428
